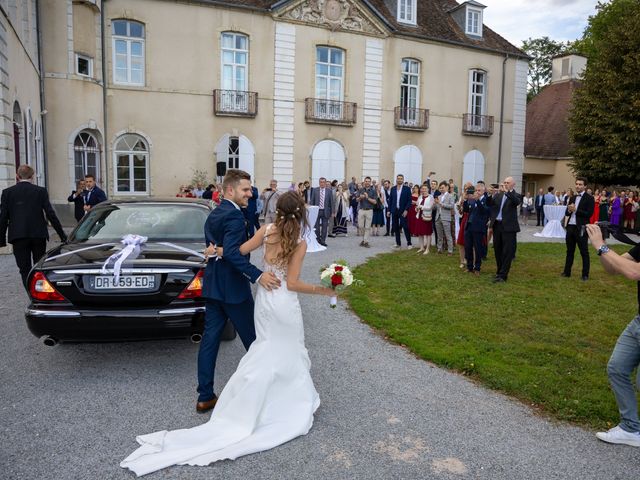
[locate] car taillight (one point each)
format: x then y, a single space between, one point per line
194 289
41 289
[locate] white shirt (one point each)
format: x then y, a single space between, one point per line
572 220
398 191
233 203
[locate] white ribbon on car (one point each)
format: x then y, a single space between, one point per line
73 252
132 245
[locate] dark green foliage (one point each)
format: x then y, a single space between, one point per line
542 50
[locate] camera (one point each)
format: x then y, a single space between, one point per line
470 191
605 229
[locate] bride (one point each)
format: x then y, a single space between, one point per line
270 399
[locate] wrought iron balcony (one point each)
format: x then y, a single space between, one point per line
318 110
407 118
481 125
235 103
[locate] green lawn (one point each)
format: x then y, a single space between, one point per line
539 337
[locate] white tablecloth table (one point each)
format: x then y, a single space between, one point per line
310 234
553 229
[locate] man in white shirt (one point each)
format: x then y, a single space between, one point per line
579 210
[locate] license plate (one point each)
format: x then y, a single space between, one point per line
130 282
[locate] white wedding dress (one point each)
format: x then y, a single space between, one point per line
269 400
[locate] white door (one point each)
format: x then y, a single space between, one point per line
327 160
246 154
408 162
473 167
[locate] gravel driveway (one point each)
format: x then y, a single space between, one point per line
72 411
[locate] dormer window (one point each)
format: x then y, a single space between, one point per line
474 21
407 11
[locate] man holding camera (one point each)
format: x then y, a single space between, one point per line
504 221
626 354
475 230
367 199
579 210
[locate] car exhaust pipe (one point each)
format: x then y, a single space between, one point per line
196 337
49 341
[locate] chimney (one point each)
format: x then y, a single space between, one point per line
567 67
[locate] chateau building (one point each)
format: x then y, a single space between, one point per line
143 92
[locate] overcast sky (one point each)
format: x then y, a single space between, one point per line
517 20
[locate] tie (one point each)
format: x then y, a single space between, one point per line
321 198
504 199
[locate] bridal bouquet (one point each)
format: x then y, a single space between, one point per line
338 277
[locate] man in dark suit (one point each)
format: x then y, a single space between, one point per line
322 196
504 220
226 281
77 197
399 203
579 211
539 204
23 209
94 194
476 227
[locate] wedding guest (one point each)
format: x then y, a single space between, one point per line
217 195
558 199
353 204
353 186
387 213
567 195
208 192
527 207
307 191
322 197
411 214
604 206
629 212
342 211
464 217
378 212
424 223
367 199
185 192
579 211
270 196
399 203
453 189
77 197
504 220
596 207
539 206
198 191
94 194
476 205
251 212
615 210
444 205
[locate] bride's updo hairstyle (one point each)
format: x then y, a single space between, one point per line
291 218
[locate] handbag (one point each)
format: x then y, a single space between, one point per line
426 212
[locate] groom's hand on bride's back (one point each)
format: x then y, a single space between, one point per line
269 281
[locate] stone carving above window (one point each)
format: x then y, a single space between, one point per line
334 15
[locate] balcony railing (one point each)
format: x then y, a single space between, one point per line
407 118
235 103
319 110
481 125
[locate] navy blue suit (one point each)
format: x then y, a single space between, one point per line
475 231
226 289
400 221
94 196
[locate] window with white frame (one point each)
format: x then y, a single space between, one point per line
474 21
86 156
128 52
131 167
329 82
234 71
477 97
84 65
409 90
407 11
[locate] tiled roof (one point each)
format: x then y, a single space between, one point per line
434 22
547 133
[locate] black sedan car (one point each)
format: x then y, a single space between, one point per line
79 292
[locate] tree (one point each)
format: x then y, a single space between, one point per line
604 122
542 50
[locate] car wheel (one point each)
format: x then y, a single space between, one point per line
229 331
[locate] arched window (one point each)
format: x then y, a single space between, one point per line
131 165
86 156
128 52
327 160
407 161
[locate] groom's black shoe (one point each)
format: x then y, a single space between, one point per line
203 407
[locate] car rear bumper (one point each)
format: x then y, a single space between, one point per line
109 325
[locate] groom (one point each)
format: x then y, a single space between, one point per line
226 281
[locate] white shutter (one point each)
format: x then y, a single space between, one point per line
327 160
473 167
408 162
